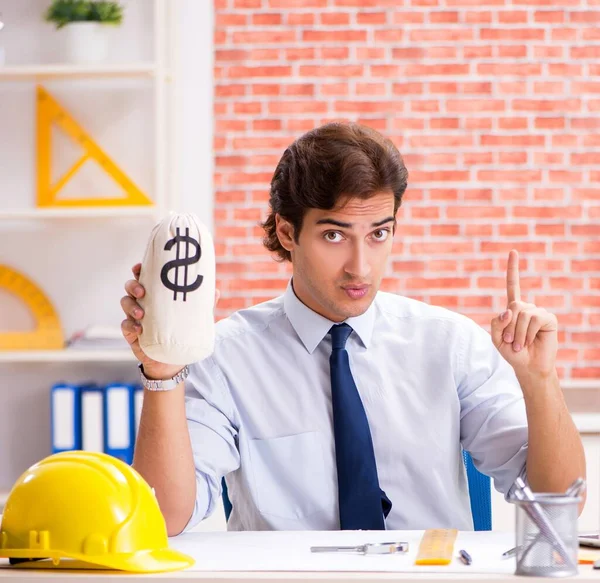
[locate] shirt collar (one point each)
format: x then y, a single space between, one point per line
312 327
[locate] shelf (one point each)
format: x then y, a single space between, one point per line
67 71
77 355
79 212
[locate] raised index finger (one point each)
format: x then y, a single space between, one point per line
513 287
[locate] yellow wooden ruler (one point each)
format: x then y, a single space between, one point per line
436 547
49 111
47 334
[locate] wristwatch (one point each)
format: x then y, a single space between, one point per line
163 385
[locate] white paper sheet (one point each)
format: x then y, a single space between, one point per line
290 551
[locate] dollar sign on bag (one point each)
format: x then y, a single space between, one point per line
184 262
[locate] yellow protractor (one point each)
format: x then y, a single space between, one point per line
47 334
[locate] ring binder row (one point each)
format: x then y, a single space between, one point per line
96 418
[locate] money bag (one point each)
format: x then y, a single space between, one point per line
178 274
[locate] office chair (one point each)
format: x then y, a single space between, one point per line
479 493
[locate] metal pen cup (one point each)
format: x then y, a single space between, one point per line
547 547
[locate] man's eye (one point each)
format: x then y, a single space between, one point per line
333 236
381 234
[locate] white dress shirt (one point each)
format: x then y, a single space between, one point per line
431 381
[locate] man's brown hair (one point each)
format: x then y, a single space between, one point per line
331 161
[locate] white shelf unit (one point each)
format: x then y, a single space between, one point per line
160 73
66 355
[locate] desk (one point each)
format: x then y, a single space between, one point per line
252 557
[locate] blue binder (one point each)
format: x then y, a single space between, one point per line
65 417
92 417
119 421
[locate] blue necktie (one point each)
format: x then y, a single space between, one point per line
362 503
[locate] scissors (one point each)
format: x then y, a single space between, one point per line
366 549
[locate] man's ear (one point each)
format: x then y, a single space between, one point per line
285 232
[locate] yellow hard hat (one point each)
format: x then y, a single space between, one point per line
87 507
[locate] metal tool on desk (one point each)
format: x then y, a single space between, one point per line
366 549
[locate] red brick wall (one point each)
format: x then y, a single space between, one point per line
496 110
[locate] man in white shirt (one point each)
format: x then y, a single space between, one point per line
277 407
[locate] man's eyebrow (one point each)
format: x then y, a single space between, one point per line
341 224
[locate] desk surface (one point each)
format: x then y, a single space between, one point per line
251 557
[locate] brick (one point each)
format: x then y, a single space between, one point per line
445 248
553 229
505 247
439 176
512 87
370 53
332 71
334 52
412 17
436 69
267 19
335 18
509 175
546 212
407 88
478 17
371 18
565 176
513 123
523 141
565 283
513 230
261 71
469 105
425 106
512 157
439 282
478 230
549 123
444 231
335 89
291 107
264 36
506 194
550 16
475 212
366 106
548 52
303 4
585 158
339 36
300 54
560 105
512 34
553 87
512 51
441 35
300 19
589 52
477 52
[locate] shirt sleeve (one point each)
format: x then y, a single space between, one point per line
493 424
213 432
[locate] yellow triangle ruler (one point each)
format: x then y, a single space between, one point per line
47 334
50 111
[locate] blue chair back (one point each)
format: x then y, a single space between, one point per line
480 495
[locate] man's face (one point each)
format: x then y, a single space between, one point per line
341 255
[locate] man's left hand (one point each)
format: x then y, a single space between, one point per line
525 335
